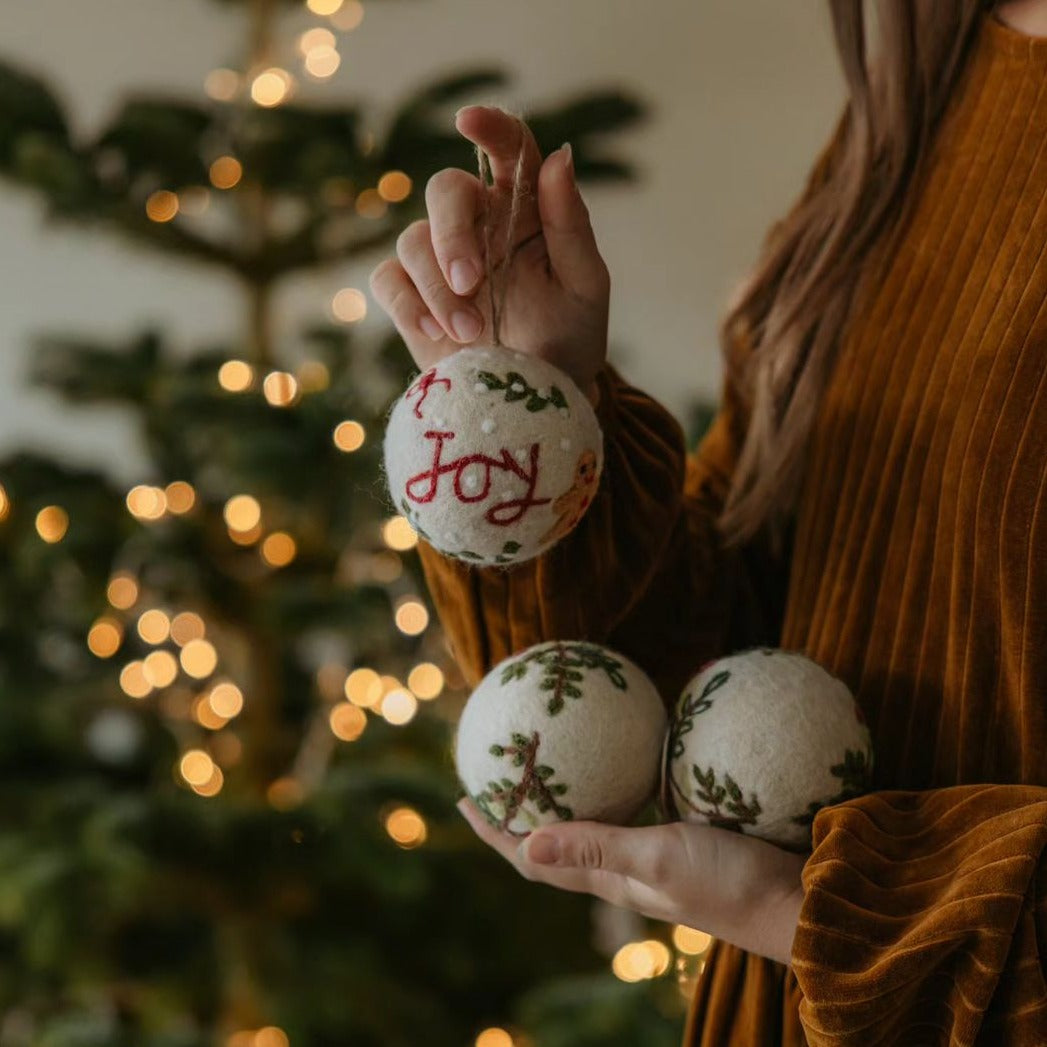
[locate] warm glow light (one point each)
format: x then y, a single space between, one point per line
411 617
638 961
349 16
196 767
279 549
225 172
222 84
206 716
5 503
363 687
180 497
322 62
154 626
323 7
146 503
213 785
271 1036
104 637
242 513
133 682
160 668
235 376
226 699
394 186
407 827
347 721
317 37
122 591
398 534
349 305
161 206
194 200
280 388
399 707
369 204
688 940
349 436
494 1037
185 627
246 537
199 659
270 88
243 1038
51 523
285 793
426 681
313 376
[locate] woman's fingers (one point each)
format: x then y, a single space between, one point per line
569 236
457 316
501 136
452 198
395 292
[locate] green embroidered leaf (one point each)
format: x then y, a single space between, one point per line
555 705
544 771
497 750
558 790
492 381
520 739
511 548
557 398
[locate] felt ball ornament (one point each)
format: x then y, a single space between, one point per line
760 741
493 455
564 730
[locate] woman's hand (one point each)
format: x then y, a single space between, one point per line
735 887
558 288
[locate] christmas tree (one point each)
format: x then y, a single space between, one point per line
225 711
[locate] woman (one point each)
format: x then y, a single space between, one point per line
872 492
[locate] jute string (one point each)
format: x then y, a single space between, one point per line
498 282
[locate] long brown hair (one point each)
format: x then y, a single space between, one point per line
780 334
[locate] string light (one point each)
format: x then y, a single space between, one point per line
161 206
185 627
222 84
154 626
394 186
426 681
399 707
196 767
369 204
349 436
280 388
406 827
271 87
411 617
180 497
313 376
318 37
5 503
349 305
122 591
279 549
205 715
322 62
494 1037
363 687
242 513
639 961
347 721
198 659
160 668
323 7
225 172
285 793
226 699
146 503
213 785
348 16
398 534
689 941
133 682
52 522
234 376
104 637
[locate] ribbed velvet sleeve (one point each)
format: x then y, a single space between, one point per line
643 572
922 919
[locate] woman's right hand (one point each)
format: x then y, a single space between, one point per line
556 303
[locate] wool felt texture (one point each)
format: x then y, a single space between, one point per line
915 573
760 741
493 455
564 730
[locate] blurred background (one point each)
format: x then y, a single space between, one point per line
227 798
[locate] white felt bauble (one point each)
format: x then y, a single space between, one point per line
763 739
564 730
493 455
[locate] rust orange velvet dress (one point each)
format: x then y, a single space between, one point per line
916 570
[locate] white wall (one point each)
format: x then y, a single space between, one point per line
742 93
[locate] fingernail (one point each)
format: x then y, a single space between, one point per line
542 849
568 158
463 275
429 325
466 325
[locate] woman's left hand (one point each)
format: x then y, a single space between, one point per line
735 887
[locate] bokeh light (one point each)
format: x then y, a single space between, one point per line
411 617
226 699
363 687
406 827
222 84
347 721
349 305
349 436
52 522
196 767
199 659
426 681
187 626
394 186
399 707
104 637
132 680
161 206
242 513
154 626
690 941
271 87
278 549
398 534
225 172
180 497
234 376
322 62
280 388
160 668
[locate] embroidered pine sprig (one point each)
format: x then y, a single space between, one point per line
855 774
561 665
516 387
691 705
727 806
